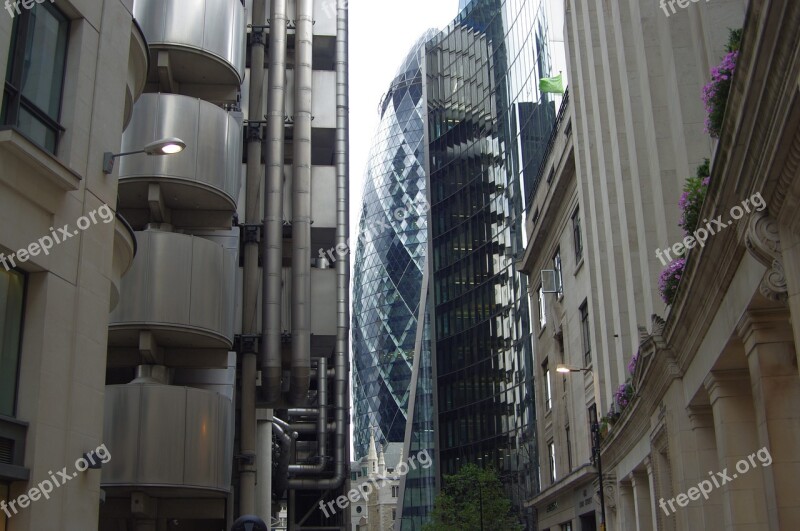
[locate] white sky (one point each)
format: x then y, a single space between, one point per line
381 35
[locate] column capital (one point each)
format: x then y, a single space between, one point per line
700 416
758 327
723 384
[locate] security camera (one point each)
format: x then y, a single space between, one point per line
249 523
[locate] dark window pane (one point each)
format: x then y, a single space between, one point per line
11 297
43 68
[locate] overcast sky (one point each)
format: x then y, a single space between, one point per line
381 35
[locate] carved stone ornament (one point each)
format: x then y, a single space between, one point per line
764 243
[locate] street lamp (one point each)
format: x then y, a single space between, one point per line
164 146
565 369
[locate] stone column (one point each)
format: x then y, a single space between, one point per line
626 514
743 500
702 422
640 483
769 345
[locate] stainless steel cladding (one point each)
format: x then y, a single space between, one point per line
180 287
204 38
172 437
205 176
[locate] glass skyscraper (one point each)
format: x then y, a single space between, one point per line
486 121
463 130
389 261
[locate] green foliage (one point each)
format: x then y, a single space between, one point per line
694 193
458 505
734 40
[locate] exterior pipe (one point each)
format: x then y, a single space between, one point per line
273 201
321 425
301 206
249 360
340 390
283 433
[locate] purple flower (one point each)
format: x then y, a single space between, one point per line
670 279
632 364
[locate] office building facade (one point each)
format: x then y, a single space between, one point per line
390 260
72 72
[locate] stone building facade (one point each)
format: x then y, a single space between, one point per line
715 384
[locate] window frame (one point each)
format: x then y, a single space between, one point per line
577 235
542 308
14 100
548 388
20 337
558 266
586 333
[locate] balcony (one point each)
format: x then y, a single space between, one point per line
181 289
193 42
124 252
196 188
166 436
138 64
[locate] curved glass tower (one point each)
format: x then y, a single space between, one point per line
389 260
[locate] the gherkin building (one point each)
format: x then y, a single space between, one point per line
389 260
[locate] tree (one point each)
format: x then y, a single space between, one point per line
458 505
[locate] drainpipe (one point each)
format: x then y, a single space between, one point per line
273 200
301 206
249 356
321 426
340 390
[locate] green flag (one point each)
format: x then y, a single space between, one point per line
552 84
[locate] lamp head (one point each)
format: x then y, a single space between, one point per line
165 146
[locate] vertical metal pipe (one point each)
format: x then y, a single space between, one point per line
301 205
341 389
249 360
273 201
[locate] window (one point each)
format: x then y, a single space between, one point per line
394 515
12 288
359 509
551 452
587 346
35 76
566 527
548 390
577 236
395 491
363 471
542 309
569 449
559 276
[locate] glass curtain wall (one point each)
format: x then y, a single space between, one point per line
389 261
482 78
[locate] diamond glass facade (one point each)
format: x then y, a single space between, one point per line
389 261
482 88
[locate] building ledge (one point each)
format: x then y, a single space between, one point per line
578 477
15 144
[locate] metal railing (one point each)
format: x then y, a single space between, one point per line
550 143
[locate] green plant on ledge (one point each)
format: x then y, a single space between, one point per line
694 193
